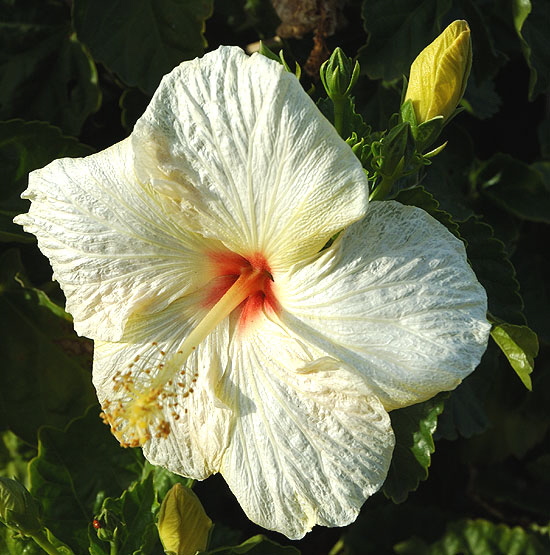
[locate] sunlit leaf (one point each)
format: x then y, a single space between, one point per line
479 537
414 427
77 468
520 345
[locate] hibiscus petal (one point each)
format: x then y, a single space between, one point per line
311 442
115 245
196 422
249 157
395 298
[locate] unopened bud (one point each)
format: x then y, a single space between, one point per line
183 525
339 74
439 74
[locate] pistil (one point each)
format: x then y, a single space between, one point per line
248 283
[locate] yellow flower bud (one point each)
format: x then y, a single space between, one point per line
440 72
183 525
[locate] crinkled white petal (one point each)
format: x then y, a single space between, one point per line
394 298
298 436
198 421
310 443
251 160
115 245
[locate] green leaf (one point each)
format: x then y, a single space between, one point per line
531 21
26 146
14 457
42 380
418 196
520 345
515 187
478 537
45 73
398 31
487 59
141 40
493 269
463 415
413 427
75 470
163 479
482 100
129 520
12 543
257 545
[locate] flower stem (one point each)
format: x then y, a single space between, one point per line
338 104
382 191
41 539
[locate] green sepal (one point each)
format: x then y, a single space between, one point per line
280 58
397 150
428 132
408 114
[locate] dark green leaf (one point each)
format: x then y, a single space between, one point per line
418 196
520 345
77 468
487 59
45 73
533 267
482 100
515 187
493 269
479 537
26 146
398 31
532 20
257 545
141 40
463 414
413 427
133 103
42 380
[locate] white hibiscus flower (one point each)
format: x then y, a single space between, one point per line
227 339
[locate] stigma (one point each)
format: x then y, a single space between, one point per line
248 281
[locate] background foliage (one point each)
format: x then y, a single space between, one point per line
74 77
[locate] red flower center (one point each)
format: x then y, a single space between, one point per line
257 280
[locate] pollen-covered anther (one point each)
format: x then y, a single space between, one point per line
144 398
